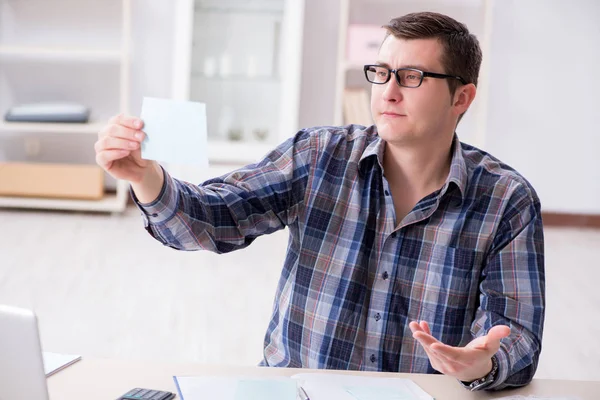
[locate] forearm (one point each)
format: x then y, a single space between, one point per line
190 217
149 187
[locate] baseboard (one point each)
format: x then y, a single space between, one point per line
571 220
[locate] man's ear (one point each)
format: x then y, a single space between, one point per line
463 97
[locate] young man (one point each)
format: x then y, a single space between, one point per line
409 251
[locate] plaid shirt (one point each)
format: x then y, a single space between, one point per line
467 257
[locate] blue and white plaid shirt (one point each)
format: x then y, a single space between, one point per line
467 257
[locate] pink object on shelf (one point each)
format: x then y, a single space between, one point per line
363 42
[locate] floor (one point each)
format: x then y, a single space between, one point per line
102 287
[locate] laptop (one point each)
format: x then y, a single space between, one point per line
22 375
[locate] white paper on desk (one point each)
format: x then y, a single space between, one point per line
54 362
235 388
175 130
321 386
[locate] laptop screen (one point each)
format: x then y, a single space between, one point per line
22 374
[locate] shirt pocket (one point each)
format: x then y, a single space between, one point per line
444 280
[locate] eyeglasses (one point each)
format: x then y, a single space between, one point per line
407 77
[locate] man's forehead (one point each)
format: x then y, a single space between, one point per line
416 53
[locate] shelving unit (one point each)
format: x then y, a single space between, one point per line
89 128
31 38
243 59
476 14
59 54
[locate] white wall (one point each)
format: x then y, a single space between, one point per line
545 97
319 63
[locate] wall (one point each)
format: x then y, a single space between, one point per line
545 97
319 63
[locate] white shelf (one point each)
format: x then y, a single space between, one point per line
60 54
239 6
238 78
110 203
43 127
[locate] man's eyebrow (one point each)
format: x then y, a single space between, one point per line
415 66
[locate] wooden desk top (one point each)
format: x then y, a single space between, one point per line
100 379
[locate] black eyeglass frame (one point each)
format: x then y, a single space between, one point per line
424 74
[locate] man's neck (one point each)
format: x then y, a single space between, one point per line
418 169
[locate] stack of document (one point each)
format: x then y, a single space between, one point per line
318 386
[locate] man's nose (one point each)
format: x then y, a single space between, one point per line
392 91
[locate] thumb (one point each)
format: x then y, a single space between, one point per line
497 333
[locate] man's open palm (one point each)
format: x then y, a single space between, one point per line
467 363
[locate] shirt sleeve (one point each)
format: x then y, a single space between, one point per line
513 290
227 213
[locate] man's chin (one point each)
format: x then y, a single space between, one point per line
390 133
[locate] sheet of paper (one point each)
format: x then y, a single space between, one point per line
176 131
320 386
54 362
266 389
235 388
378 393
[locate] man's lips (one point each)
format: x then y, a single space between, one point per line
392 114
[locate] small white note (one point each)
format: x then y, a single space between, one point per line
175 130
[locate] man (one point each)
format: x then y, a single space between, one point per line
409 251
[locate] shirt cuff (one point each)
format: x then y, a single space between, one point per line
164 207
503 369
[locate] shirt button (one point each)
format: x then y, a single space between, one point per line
393 235
373 358
385 275
377 317
155 215
387 193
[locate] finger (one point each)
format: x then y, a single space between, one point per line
105 158
425 326
122 132
498 332
435 361
415 327
114 143
491 341
441 363
128 121
425 338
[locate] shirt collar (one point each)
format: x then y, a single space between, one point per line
458 168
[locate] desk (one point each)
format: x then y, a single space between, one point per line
93 379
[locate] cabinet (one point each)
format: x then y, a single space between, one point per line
69 51
476 14
243 59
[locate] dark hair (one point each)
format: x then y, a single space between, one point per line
461 52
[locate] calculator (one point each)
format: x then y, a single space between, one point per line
146 394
